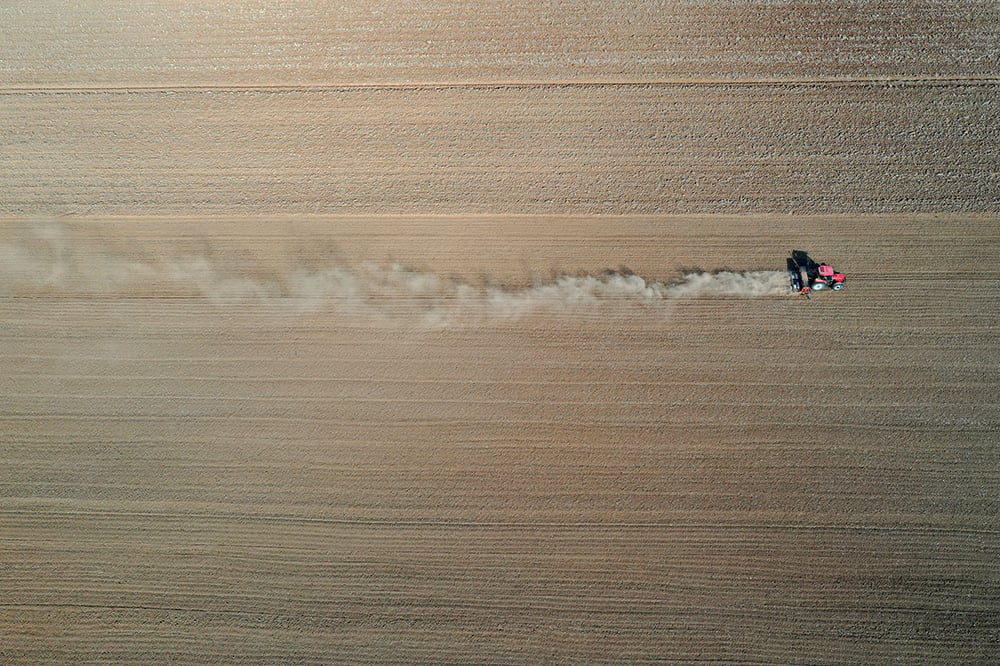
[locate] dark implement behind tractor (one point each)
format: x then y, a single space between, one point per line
806 276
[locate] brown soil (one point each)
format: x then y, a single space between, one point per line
198 463
708 148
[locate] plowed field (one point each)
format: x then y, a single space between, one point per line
459 333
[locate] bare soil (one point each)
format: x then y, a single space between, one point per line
311 42
545 149
263 398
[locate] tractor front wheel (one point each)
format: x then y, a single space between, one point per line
837 286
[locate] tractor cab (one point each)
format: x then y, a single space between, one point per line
827 276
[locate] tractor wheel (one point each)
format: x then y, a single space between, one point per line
837 286
819 285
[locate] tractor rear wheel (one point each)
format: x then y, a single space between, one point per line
819 285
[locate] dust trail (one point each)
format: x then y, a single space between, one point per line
44 262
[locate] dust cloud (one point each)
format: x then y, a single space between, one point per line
44 262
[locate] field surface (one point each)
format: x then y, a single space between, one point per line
452 332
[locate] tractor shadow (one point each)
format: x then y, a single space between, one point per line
801 269
802 259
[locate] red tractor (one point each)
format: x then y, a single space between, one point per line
806 276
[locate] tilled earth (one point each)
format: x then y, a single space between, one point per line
458 334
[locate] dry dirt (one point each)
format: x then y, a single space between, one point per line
458 333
